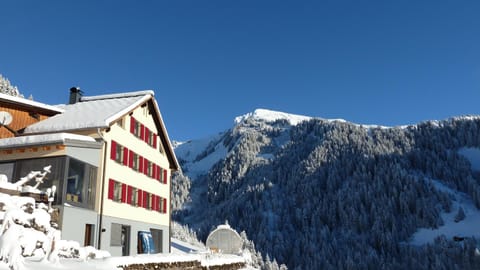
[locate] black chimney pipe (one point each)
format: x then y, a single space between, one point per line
75 95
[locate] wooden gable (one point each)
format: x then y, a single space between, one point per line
23 116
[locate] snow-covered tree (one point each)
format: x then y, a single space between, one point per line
7 88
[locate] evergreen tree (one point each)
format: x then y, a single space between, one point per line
7 88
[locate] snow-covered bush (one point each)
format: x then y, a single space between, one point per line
27 231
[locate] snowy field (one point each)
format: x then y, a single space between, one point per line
468 227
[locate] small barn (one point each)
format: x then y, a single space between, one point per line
224 239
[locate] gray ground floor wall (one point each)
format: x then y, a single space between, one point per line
118 236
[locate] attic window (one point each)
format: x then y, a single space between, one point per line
121 123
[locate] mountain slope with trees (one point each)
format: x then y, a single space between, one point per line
322 194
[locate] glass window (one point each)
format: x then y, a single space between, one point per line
115 234
136 129
117 193
80 183
121 123
134 198
7 170
160 147
55 177
135 162
119 153
149 168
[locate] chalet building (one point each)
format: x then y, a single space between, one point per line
111 160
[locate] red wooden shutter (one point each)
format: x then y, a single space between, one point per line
132 125
145 166
147 134
125 156
140 165
165 176
129 194
145 199
158 172
111 188
155 141
113 149
124 193
139 198
157 203
142 132
130 159
164 205
154 170
154 199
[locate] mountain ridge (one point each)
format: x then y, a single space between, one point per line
334 181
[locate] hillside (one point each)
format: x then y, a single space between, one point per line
328 194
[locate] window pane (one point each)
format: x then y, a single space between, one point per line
117 195
55 177
7 170
134 197
75 181
116 234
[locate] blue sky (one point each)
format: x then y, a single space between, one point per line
370 62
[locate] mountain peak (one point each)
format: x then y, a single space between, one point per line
270 116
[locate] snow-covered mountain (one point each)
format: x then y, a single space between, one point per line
328 194
198 156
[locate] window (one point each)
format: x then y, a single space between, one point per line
143 133
136 162
162 205
56 177
157 236
151 135
7 170
120 123
118 153
134 197
149 168
160 148
136 127
116 235
117 192
76 188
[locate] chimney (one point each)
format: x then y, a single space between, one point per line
75 95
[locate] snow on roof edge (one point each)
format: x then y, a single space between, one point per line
164 130
43 139
31 103
125 110
118 95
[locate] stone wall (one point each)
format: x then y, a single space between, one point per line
188 265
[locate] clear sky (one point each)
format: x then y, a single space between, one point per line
370 62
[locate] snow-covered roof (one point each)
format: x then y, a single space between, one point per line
45 139
29 103
91 112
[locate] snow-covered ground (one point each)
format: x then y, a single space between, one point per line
467 227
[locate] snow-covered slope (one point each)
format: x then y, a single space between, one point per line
198 156
271 116
453 227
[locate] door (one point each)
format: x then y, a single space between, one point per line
125 240
89 229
